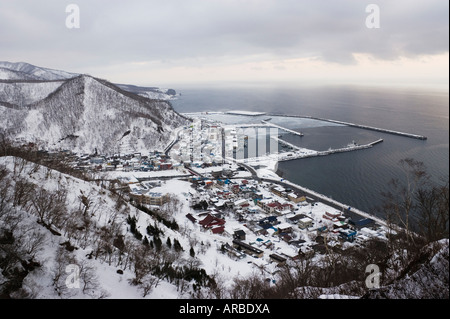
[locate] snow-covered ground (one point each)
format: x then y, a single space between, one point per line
133 177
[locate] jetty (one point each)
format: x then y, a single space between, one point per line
282 128
266 124
366 127
245 113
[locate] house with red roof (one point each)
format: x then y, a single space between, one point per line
211 221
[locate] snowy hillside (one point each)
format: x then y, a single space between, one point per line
50 220
22 93
82 225
85 114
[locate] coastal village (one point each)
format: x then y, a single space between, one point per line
250 219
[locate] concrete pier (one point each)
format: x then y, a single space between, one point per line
290 157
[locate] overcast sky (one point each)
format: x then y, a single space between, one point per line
189 41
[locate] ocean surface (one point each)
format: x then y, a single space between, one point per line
355 178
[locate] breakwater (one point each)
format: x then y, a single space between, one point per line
366 127
282 128
302 154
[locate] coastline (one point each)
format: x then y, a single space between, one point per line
327 200
271 174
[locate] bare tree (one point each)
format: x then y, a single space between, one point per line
18 165
148 282
400 205
22 191
62 259
5 185
88 278
141 257
85 203
32 241
171 206
295 274
433 212
251 287
49 206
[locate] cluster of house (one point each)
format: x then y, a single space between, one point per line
155 161
270 213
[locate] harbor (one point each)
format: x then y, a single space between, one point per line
293 151
265 124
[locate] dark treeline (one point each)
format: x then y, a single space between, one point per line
30 153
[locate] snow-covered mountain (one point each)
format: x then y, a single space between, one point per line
26 71
7 74
84 114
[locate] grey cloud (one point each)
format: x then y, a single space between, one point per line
212 30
